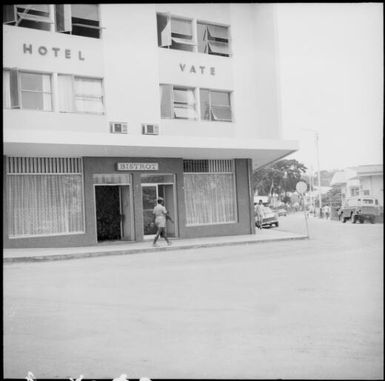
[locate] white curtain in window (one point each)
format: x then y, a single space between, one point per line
184 112
209 198
44 204
184 96
165 101
6 89
66 95
89 105
89 94
88 87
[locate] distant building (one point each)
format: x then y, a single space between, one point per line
363 180
312 196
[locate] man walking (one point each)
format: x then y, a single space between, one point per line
161 215
259 213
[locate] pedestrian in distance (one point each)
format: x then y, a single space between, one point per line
327 212
161 216
259 213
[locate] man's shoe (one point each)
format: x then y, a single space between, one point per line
155 245
169 243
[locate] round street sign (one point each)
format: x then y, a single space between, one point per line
301 187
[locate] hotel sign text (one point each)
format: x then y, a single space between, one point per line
137 166
197 69
56 52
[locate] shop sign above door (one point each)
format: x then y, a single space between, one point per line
137 166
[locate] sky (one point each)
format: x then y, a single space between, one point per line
331 76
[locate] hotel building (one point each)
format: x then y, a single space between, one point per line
108 106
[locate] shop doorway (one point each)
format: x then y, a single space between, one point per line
150 195
113 213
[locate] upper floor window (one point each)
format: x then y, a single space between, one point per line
77 19
215 105
175 32
35 16
213 39
189 35
178 102
80 94
27 90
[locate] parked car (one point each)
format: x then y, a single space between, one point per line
270 218
359 209
281 212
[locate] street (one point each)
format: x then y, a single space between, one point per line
292 309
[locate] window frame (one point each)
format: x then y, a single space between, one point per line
16 94
74 95
194 106
212 119
59 19
19 16
210 168
190 45
38 173
51 93
206 41
99 28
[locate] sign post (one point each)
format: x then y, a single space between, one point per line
301 188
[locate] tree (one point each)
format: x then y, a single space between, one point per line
280 177
325 177
333 197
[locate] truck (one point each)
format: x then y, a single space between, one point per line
360 209
265 200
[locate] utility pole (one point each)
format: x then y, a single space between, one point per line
319 173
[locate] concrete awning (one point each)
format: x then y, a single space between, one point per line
67 144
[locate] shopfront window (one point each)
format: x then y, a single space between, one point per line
44 196
210 196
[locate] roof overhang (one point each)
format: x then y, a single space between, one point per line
261 151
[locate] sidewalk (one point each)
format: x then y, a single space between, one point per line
123 248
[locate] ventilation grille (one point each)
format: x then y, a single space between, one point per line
44 165
209 166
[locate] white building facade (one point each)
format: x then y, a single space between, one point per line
363 180
108 106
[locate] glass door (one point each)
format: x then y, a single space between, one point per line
149 199
153 187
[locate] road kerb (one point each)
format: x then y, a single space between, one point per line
94 254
